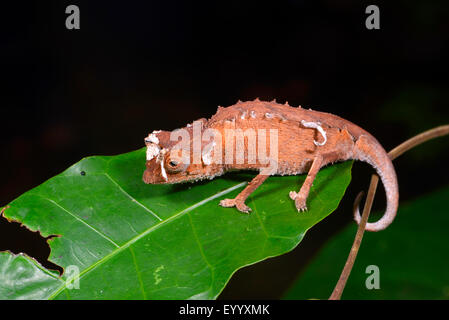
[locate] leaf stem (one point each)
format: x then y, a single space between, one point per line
394 153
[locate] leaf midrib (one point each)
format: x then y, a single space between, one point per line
143 234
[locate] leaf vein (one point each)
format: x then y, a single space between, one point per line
202 252
144 294
131 197
82 221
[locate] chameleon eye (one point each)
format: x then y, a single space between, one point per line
174 165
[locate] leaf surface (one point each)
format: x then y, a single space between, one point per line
135 241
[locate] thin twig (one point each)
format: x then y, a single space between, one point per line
396 152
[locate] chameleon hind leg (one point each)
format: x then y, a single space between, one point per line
301 196
239 201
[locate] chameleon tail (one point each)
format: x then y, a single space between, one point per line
367 149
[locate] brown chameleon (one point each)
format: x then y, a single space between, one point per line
299 140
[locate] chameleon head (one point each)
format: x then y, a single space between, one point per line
165 164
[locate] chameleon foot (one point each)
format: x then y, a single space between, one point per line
300 202
240 205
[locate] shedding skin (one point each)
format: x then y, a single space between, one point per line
307 140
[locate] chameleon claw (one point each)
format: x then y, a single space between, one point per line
293 195
227 203
300 205
240 205
300 202
243 208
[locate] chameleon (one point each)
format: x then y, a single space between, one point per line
304 141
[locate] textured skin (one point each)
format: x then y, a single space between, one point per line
299 151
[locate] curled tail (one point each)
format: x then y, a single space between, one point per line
367 149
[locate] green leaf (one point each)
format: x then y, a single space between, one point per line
412 256
135 241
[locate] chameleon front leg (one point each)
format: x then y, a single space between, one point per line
301 197
239 201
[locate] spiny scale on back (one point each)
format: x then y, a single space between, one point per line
257 110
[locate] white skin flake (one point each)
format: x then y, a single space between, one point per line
152 138
207 156
161 158
317 126
164 174
152 151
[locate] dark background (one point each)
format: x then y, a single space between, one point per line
138 66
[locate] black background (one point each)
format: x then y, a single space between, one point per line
138 66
